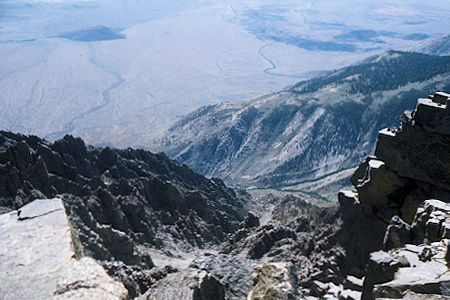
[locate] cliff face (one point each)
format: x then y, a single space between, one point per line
391 206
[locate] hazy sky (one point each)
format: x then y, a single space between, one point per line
153 62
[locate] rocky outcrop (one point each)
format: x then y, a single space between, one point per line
422 268
294 255
120 203
273 281
410 165
38 259
395 205
233 271
189 284
144 218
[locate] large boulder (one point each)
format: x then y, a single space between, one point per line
189 284
233 271
39 262
273 281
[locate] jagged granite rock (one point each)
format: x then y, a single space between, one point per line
426 158
397 233
381 268
120 202
299 234
189 284
411 165
275 281
37 258
431 221
233 272
430 277
421 269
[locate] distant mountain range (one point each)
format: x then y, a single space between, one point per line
309 131
435 46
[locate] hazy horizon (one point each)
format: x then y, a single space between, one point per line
119 72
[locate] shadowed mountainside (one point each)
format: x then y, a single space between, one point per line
309 131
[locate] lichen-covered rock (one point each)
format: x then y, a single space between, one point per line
189 284
273 281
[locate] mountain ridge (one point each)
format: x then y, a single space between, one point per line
317 127
123 204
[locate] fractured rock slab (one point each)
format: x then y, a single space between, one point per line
37 258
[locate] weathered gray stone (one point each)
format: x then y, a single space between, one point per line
273 281
378 190
397 234
189 284
414 296
362 233
433 114
37 253
349 295
430 221
425 278
380 268
34 252
353 283
234 272
39 208
86 279
421 150
362 173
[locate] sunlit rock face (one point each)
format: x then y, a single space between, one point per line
39 257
